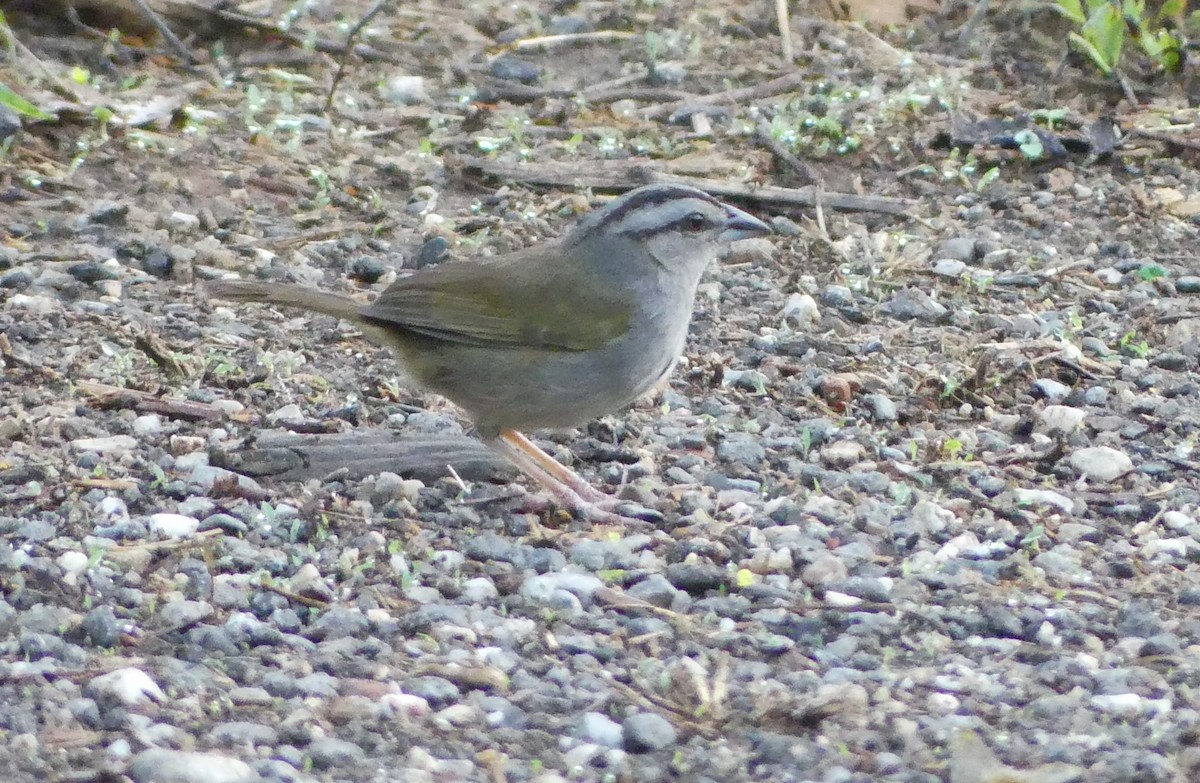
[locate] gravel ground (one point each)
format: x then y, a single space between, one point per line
928 481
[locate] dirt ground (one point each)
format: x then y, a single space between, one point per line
927 472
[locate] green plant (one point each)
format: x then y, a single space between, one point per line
1131 345
1104 26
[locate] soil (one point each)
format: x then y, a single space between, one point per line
926 473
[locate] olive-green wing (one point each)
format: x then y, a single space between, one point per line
508 303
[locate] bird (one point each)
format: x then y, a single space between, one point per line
551 336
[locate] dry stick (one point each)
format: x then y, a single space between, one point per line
785 30
968 30
777 148
165 31
546 41
764 90
354 31
1167 138
628 176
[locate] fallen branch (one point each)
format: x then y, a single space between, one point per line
106 396
626 175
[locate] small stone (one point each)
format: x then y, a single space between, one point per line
600 729
289 412
837 296
405 90
569 25
113 444
432 251
960 249
515 70
390 486
332 753
949 267
843 453
367 269
148 426
909 304
163 765
1050 389
882 408
1057 420
645 732
20 278
35 304
129 686
173 525
307 581
801 310
184 221
742 448
1101 463
90 272
1188 284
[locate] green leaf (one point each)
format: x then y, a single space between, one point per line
1172 8
1029 144
1105 30
1072 9
1150 272
20 105
1093 54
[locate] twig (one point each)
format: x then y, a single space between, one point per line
968 29
165 31
785 155
765 90
1167 138
354 31
116 397
547 41
626 175
655 94
785 30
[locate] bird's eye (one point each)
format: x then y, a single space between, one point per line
695 222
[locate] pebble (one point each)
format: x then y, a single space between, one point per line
843 453
910 304
1050 389
949 267
600 729
801 310
1101 463
173 525
113 444
331 753
405 90
741 448
1188 284
128 686
515 70
962 249
34 304
646 732
163 765
543 587
837 296
1058 420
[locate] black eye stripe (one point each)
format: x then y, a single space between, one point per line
650 196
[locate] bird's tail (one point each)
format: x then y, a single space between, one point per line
286 295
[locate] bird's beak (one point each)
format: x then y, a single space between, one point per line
742 225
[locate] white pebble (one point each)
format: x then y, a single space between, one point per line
1060 420
129 686
1101 463
801 310
170 525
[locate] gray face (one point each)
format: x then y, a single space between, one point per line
681 229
